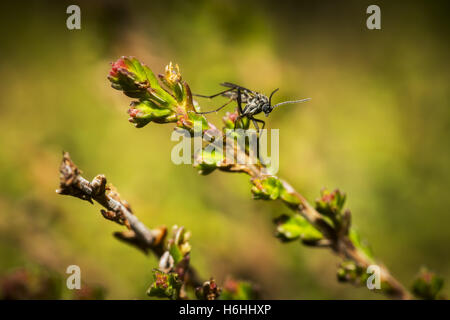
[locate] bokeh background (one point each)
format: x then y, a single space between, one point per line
377 127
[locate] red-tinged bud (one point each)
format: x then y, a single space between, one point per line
231 285
330 203
136 80
233 116
120 63
230 119
428 286
133 112
161 281
328 197
165 285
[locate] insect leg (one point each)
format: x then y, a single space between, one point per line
205 112
239 108
260 121
214 95
255 123
239 100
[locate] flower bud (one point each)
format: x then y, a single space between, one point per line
143 112
267 188
331 203
128 76
428 285
230 119
172 79
238 290
165 285
136 80
208 291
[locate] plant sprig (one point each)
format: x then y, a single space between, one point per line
174 276
326 224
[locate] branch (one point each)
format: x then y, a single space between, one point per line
326 225
119 211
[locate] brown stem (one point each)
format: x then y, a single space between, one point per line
339 242
138 235
343 246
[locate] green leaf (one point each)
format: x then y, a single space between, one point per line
179 245
176 253
150 76
290 228
210 161
212 157
143 112
361 244
179 92
198 117
289 198
135 67
268 188
271 188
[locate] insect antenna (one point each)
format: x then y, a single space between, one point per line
270 98
288 102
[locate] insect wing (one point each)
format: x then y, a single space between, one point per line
236 86
245 93
233 96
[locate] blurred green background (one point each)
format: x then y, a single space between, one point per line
377 127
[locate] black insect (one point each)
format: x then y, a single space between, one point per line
255 102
